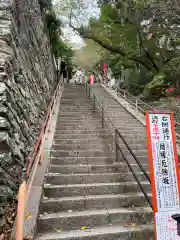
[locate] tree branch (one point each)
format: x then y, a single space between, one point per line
146 51
114 49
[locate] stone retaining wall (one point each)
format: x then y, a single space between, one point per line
27 79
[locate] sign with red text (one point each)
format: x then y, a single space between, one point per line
163 162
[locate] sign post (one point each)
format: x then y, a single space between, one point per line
163 161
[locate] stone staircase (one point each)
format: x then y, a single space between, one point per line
87 194
132 130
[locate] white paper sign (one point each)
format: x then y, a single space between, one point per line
166 227
165 180
164 163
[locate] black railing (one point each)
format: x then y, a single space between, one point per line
97 105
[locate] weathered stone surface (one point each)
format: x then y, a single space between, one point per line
27 80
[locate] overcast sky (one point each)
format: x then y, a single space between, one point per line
90 10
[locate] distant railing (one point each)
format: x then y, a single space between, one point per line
141 106
35 159
116 136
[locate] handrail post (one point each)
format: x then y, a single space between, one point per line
102 117
54 104
94 102
124 94
136 104
89 92
116 143
49 121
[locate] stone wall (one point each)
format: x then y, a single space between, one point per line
27 80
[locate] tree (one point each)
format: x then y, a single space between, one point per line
87 57
53 29
120 33
139 35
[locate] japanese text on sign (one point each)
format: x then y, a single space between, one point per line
164 168
163 162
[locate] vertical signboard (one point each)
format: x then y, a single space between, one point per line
163 162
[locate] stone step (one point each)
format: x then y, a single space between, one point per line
76 103
83 123
132 126
128 120
82 146
78 178
56 191
79 123
93 129
75 220
85 118
76 132
134 136
77 113
137 131
79 127
82 116
114 232
63 135
142 155
82 160
112 105
133 146
136 141
77 107
81 153
82 203
138 152
80 168
73 102
90 140
73 98
117 113
142 159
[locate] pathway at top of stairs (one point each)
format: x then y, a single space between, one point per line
87 194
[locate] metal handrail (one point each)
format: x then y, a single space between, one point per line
134 156
35 159
124 141
134 175
128 96
118 134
